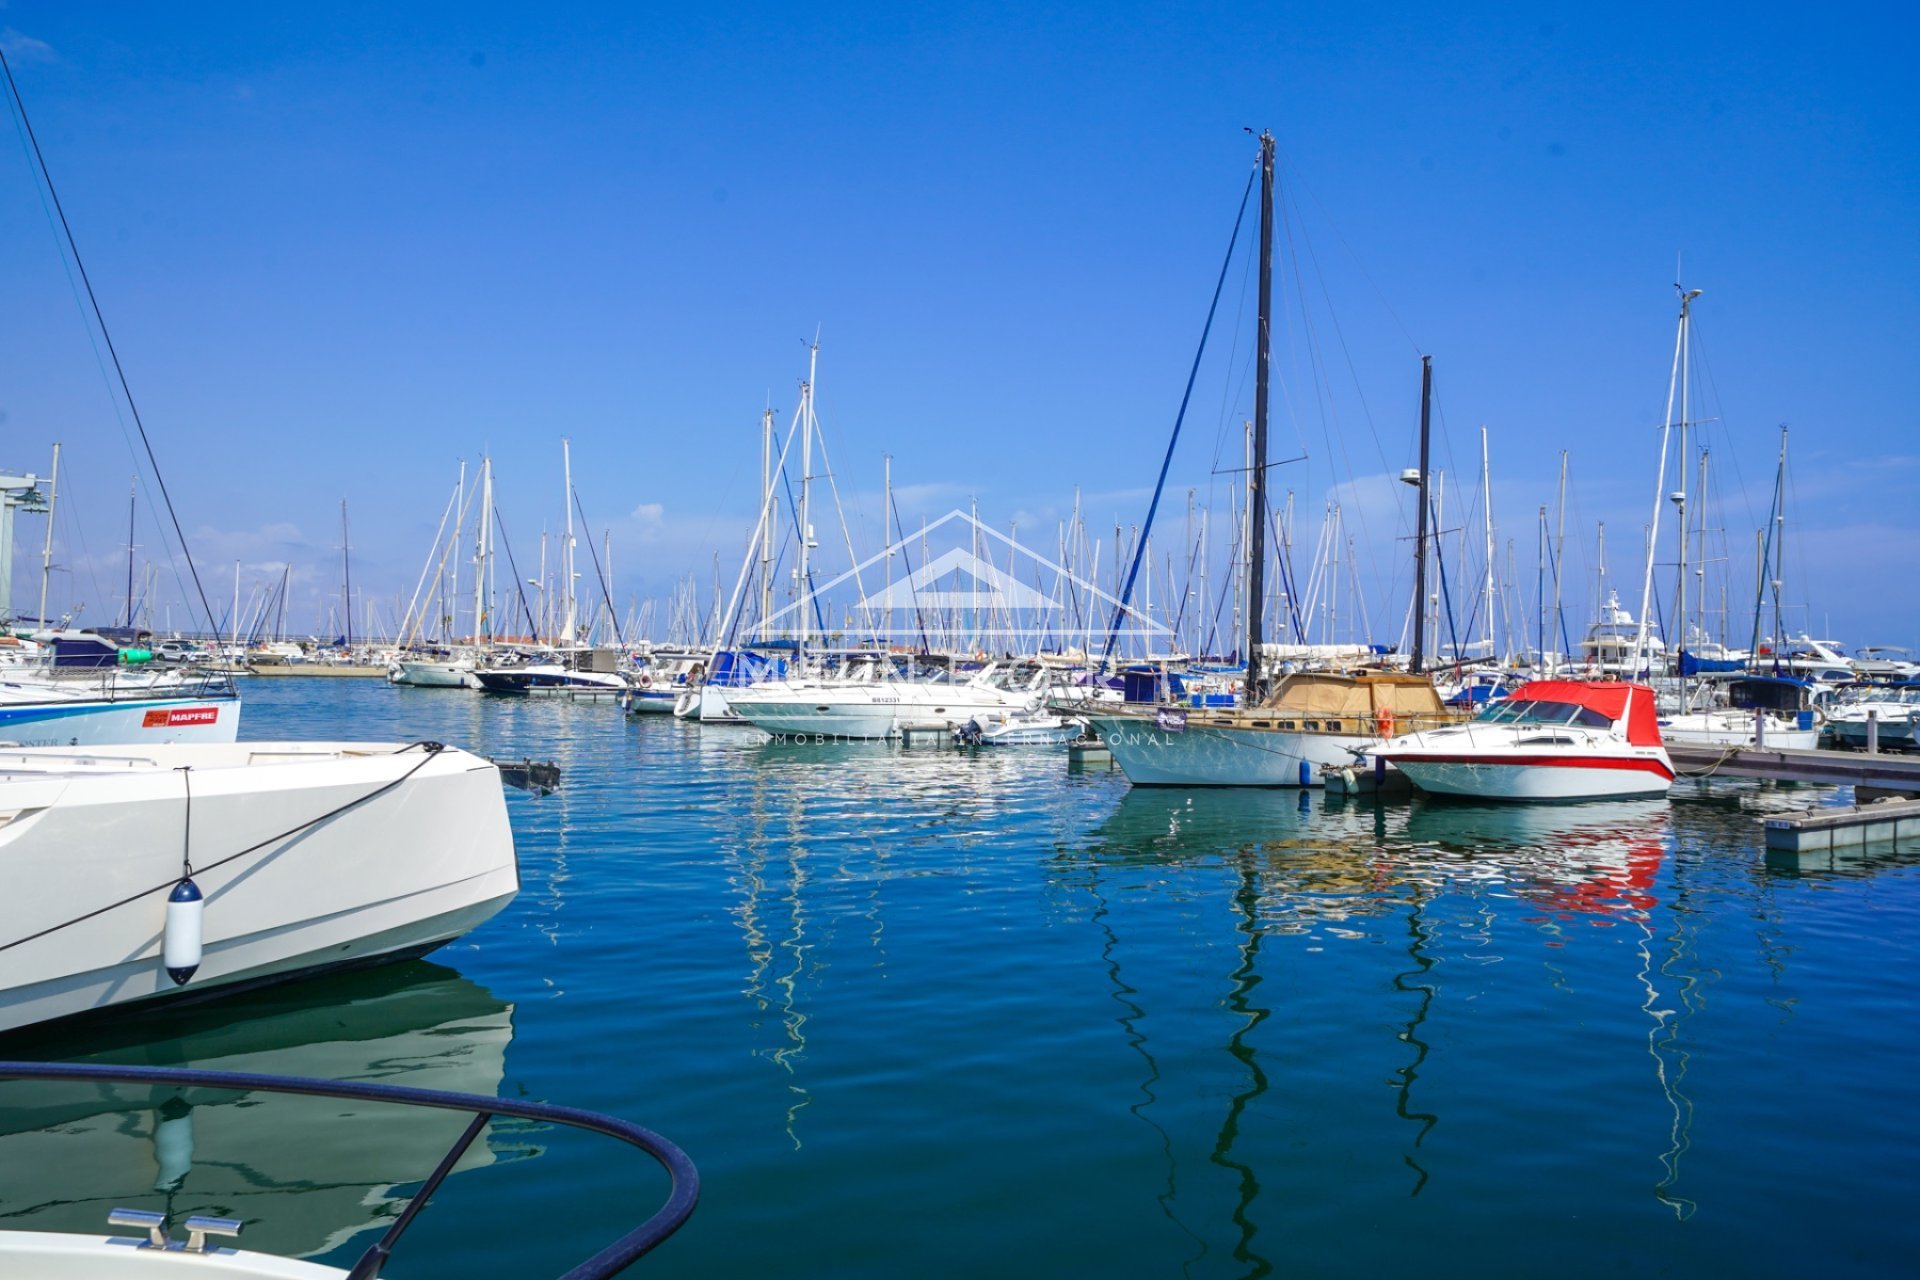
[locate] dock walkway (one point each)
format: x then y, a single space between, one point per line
1874 775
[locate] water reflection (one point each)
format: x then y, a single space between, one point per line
1452 875
298 1171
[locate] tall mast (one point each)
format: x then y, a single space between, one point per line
886 536
482 621
566 547
1540 593
133 492
1486 512
1559 546
46 551
1679 499
346 577
806 495
766 525
1660 483
1418 664
1256 475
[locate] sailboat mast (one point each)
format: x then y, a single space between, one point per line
1256 475
346 576
1680 519
1660 484
566 547
1559 547
46 550
806 497
1418 664
133 492
1486 512
766 523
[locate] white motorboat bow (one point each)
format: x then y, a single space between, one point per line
137 872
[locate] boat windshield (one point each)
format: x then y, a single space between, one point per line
1541 711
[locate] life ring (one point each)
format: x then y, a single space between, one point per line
1383 721
646 681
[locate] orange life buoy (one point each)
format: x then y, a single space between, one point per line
1383 721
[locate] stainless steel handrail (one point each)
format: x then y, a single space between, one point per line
683 1194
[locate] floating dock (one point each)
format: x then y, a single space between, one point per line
1873 775
1823 830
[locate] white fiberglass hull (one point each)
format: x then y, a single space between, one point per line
308 855
652 702
50 1256
878 711
1217 756
1735 729
94 722
714 707
435 675
1519 774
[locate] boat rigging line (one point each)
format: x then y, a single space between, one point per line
1126 592
100 319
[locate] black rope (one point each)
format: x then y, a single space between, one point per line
519 587
100 318
432 749
186 837
600 575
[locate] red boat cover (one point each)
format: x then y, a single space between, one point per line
1609 697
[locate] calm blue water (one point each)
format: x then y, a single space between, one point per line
919 1012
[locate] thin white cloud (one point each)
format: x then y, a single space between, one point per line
25 48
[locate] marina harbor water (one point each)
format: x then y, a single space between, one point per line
942 1012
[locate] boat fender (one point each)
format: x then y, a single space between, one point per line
181 942
1306 773
1383 721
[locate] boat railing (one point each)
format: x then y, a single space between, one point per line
683 1193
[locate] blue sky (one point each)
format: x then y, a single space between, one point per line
341 248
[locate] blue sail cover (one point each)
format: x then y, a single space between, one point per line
1692 666
736 668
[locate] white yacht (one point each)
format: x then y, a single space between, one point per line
140 872
873 701
1608 648
1895 718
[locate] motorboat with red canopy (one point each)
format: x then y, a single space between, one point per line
1550 740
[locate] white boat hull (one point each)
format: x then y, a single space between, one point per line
435 675
652 702
424 856
1218 756
714 707
108 722
1735 729
1600 778
878 713
50 1256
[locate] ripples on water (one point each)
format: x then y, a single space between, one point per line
955 1014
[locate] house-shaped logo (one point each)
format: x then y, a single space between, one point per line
971 587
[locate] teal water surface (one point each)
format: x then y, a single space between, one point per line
931 1013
